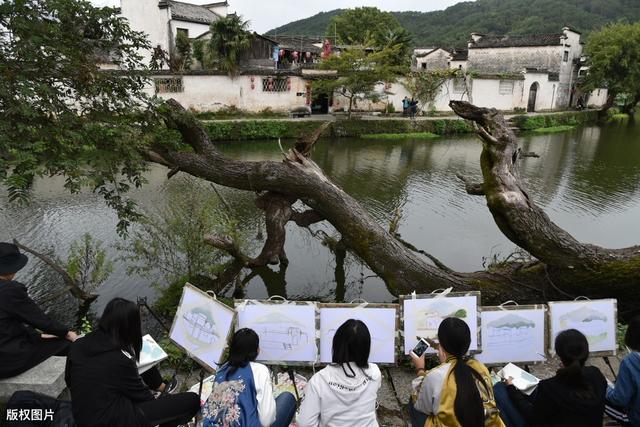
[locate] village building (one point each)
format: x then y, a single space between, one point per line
537 73
510 73
162 20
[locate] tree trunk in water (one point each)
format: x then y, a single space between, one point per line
563 260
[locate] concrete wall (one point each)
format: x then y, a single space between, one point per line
515 59
146 16
598 98
487 93
213 92
195 29
546 97
437 60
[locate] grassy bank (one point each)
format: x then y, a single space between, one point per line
554 129
397 136
272 129
381 129
555 120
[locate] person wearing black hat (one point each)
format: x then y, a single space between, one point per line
21 346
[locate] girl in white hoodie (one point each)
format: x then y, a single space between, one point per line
344 393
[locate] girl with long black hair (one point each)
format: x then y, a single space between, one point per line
344 393
243 392
106 389
575 396
458 392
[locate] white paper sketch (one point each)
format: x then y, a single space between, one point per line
381 322
287 331
150 355
201 326
595 319
422 317
514 335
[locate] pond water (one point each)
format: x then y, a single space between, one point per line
587 180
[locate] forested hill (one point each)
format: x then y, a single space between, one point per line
452 26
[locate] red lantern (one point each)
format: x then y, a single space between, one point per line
252 79
281 53
253 86
295 55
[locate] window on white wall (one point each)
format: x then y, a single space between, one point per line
424 65
566 56
506 87
275 84
168 84
184 31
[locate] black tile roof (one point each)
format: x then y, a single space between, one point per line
517 41
460 55
192 12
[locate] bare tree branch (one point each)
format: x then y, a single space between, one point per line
473 188
74 288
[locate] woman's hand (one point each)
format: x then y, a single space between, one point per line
418 362
71 336
47 336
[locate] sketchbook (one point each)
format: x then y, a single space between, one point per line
151 354
521 379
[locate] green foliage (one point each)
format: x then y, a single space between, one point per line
229 38
370 27
182 52
169 240
273 129
236 113
87 263
60 114
425 86
614 56
555 129
362 26
531 122
358 74
452 27
399 136
621 330
198 47
85 326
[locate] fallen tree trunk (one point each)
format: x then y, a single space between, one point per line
585 268
404 269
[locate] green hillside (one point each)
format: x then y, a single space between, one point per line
452 26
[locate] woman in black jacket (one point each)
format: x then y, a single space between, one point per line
574 397
21 346
106 389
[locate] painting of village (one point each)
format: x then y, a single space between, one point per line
422 317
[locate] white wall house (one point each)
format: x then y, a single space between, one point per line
161 20
538 72
249 92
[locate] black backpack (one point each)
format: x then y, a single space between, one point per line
29 409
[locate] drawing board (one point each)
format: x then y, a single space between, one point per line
287 329
596 319
513 334
202 326
381 320
423 313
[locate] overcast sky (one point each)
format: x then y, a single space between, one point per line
268 14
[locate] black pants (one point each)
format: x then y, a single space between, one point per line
152 378
171 410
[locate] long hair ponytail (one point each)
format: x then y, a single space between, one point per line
573 349
455 338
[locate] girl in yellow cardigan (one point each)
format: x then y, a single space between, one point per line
458 392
